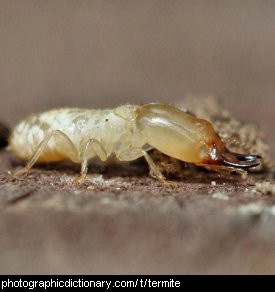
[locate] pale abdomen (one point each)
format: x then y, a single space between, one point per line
114 133
27 136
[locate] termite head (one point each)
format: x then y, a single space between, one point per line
187 138
218 157
215 155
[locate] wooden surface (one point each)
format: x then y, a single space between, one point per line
122 221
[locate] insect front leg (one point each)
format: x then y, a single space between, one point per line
42 146
134 153
154 171
90 149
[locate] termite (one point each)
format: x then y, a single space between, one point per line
128 132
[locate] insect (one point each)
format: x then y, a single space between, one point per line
128 132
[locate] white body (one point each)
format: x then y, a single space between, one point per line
128 132
113 129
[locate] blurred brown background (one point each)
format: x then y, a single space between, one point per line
102 53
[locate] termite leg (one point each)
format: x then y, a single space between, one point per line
134 153
154 171
42 146
91 149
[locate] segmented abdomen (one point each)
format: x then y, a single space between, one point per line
113 132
